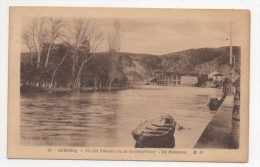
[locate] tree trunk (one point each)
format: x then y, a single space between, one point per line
96 81
77 82
37 77
54 73
79 72
77 79
110 84
100 86
39 60
48 55
73 68
31 57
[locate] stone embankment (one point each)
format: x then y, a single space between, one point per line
222 132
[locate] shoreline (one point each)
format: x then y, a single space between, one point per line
32 89
88 89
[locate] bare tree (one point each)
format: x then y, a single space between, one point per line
54 32
42 35
38 34
27 40
86 39
57 67
34 37
114 38
114 47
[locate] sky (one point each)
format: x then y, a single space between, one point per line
163 36
166 36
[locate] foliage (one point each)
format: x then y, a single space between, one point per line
63 54
151 62
203 60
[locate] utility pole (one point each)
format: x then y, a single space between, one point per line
230 39
234 64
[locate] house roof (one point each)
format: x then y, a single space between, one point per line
214 72
218 75
153 79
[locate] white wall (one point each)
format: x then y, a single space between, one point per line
211 74
187 80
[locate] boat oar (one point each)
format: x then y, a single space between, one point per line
180 127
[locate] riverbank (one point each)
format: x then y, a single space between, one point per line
224 129
33 89
87 89
234 135
235 131
217 132
25 89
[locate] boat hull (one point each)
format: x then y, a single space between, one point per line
168 143
156 141
156 133
214 104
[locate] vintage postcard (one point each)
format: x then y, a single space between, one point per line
128 84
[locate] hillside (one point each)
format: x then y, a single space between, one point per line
139 67
202 61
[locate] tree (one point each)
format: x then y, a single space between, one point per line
27 69
53 33
27 40
97 69
38 34
42 33
85 40
64 51
114 47
34 37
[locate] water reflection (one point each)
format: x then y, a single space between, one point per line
167 144
60 117
106 119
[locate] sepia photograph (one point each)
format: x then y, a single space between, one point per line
128 84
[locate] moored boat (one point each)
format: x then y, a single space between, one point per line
155 132
215 103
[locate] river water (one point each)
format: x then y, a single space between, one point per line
106 119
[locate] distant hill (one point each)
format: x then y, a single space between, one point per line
201 61
139 67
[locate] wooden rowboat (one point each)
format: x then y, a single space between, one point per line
155 132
